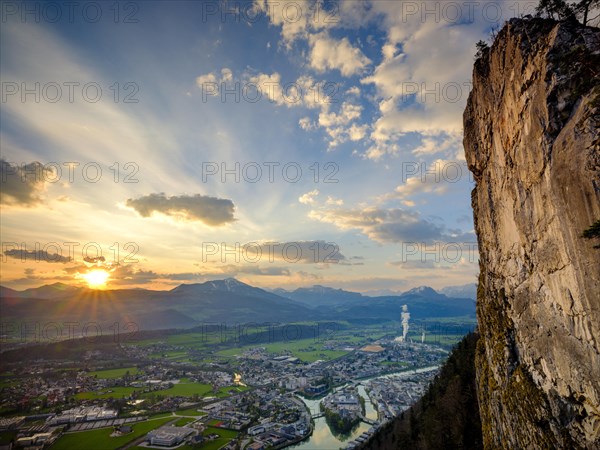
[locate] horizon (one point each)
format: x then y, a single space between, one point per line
366 294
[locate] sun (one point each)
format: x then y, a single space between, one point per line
96 278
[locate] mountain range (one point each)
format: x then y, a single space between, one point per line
227 300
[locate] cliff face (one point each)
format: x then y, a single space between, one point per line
532 141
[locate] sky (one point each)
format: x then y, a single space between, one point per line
283 143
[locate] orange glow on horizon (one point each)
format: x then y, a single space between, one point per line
96 279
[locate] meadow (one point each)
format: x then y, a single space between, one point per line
225 436
306 349
114 373
183 390
101 440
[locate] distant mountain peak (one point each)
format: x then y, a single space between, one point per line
463 291
226 285
421 290
53 290
234 282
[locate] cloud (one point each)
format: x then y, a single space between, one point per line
423 80
389 225
357 132
253 271
22 184
332 201
306 124
327 53
444 142
97 259
388 51
128 275
211 84
317 94
212 78
340 127
435 179
299 19
300 252
309 197
37 255
295 17
305 91
348 112
375 285
226 74
208 210
431 184
232 270
416 264
206 79
270 85
131 275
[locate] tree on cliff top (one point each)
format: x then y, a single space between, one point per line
563 10
482 49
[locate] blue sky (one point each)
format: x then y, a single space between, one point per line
365 98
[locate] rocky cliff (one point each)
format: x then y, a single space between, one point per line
532 141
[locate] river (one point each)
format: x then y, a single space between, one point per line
324 439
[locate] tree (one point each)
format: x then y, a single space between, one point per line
555 9
563 10
583 7
593 232
482 49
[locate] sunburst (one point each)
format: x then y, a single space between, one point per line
96 278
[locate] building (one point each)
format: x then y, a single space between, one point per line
316 390
83 414
168 436
256 446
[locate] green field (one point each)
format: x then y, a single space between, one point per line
170 356
184 421
186 339
228 390
101 440
161 415
225 437
116 392
190 412
183 390
114 373
307 350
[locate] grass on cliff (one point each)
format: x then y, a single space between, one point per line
593 232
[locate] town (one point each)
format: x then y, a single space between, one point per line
172 395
